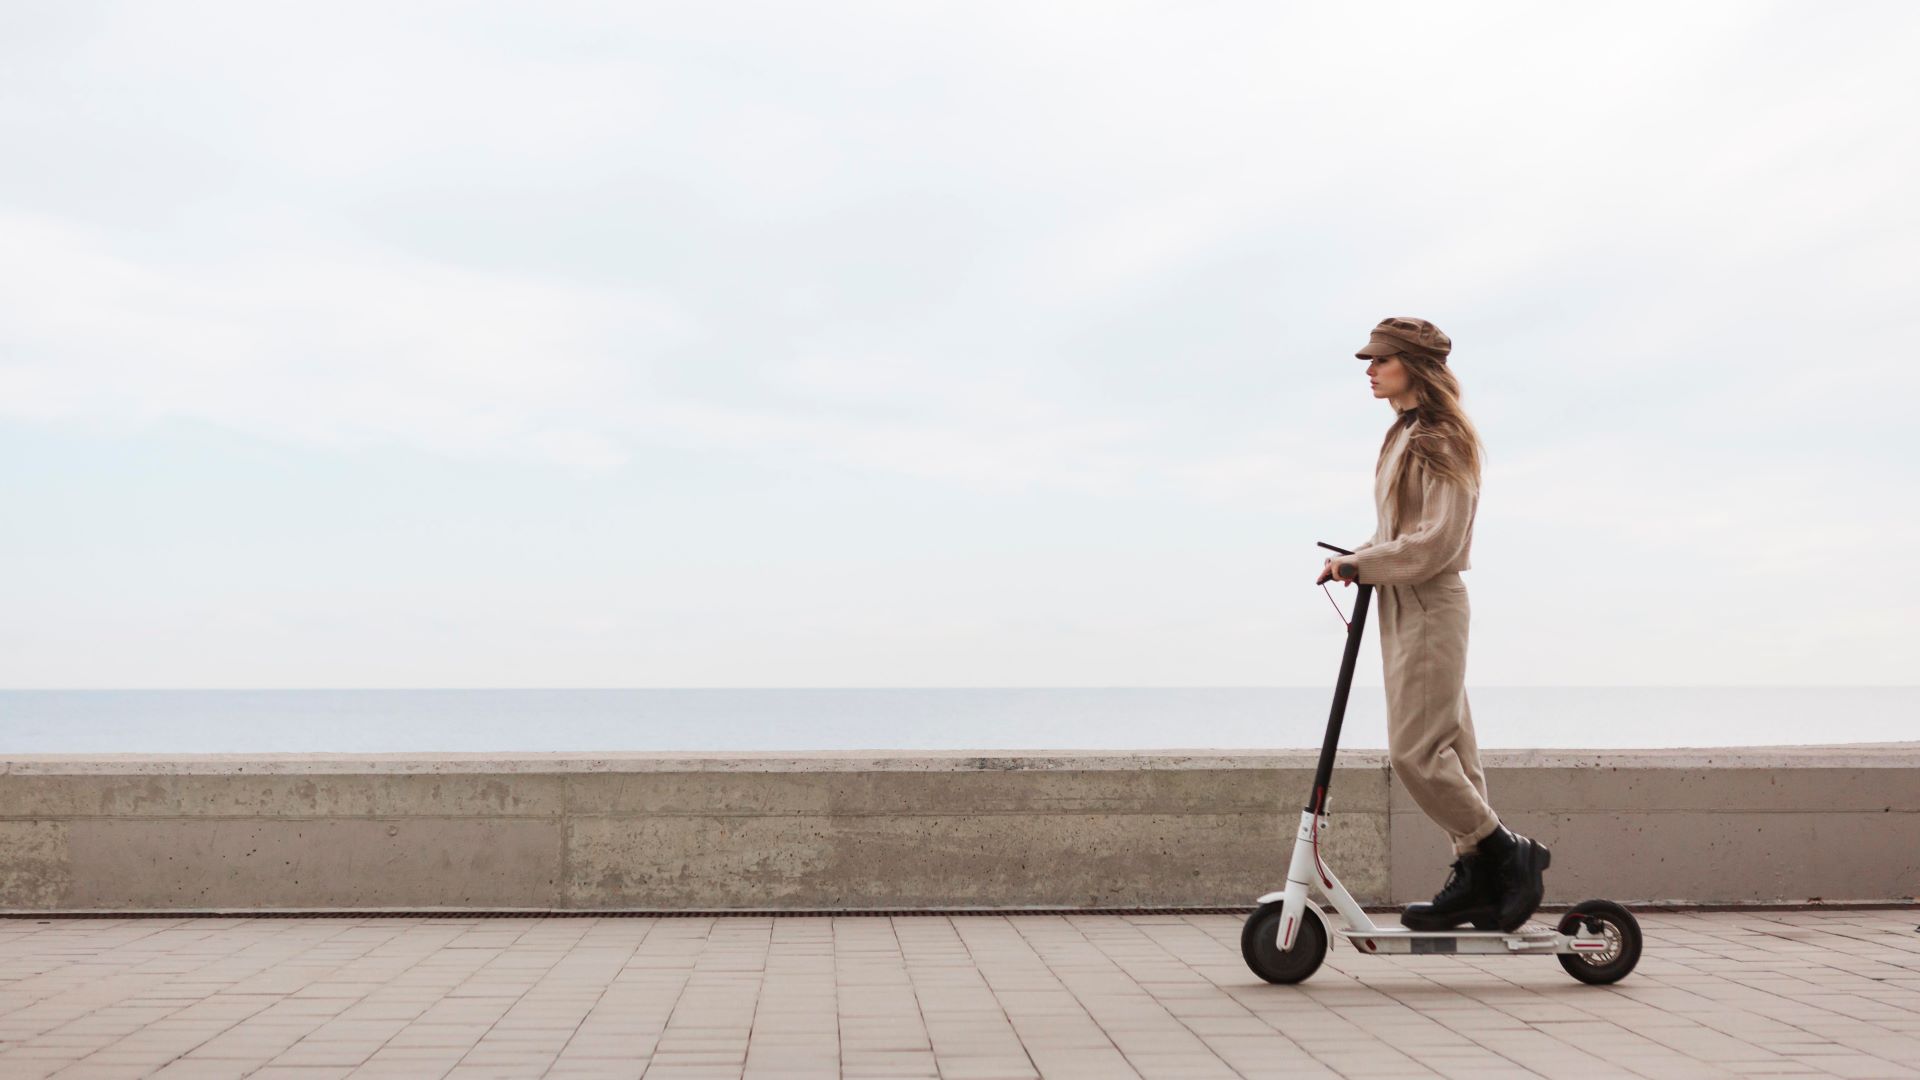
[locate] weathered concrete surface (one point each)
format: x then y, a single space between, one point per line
916 829
1724 826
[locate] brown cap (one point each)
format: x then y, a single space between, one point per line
1394 334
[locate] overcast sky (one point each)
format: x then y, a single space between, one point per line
958 344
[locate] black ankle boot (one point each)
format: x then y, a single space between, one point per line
1515 866
1468 896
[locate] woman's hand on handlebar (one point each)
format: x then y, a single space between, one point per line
1345 572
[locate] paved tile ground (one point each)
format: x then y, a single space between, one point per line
1771 994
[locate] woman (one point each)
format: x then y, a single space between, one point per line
1426 492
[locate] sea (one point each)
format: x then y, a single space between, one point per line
1113 719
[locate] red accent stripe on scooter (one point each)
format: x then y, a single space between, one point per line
1319 866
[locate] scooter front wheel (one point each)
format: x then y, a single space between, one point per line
1260 945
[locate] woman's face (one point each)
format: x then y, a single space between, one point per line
1388 376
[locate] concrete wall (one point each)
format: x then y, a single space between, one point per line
917 829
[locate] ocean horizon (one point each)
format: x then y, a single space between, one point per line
807 719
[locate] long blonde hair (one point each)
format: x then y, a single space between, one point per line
1444 441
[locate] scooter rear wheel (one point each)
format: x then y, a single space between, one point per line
1622 931
1260 945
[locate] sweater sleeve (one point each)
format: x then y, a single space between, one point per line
1425 549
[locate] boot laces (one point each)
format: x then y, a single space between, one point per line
1457 883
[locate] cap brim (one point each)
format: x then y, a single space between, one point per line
1375 349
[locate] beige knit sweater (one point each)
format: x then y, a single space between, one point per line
1424 528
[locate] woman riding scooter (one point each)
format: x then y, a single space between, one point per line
1426 492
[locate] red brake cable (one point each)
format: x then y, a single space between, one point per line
1336 606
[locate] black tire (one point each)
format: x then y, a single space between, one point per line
1623 933
1260 945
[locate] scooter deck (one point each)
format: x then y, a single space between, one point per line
1529 930
1531 938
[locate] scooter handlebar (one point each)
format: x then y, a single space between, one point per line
1339 550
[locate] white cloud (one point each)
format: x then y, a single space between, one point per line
305 341
1004 250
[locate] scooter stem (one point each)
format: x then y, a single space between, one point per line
1323 775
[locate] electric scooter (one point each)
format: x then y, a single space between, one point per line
1286 937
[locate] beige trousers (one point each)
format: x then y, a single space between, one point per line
1423 649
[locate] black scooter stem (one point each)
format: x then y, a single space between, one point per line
1323 775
